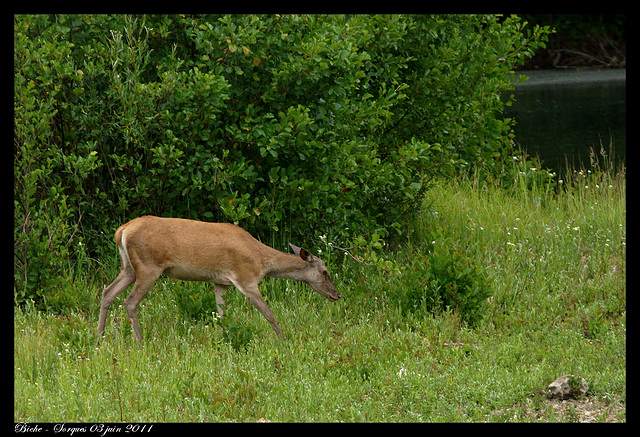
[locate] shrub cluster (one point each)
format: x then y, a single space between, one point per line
445 280
311 125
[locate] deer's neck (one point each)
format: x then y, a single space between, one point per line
285 265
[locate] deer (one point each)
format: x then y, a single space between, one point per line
220 253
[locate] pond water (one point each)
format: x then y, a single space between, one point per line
561 114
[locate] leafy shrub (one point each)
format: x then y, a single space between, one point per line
197 302
443 280
528 174
74 333
312 125
236 333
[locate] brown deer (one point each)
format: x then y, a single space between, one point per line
221 253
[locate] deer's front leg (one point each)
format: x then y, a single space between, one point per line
253 293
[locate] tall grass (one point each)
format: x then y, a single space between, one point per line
553 255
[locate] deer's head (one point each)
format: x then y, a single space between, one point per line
316 274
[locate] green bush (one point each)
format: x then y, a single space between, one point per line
443 280
311 125
197 302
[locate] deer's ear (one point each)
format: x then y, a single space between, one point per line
302 253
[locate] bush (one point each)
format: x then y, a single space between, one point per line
444 280
197 302
311 125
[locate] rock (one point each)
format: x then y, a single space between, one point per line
567 387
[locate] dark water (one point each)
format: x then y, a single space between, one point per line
561 114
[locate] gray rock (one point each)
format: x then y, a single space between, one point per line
567 387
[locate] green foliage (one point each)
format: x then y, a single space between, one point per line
312 125
196 302
527 174
236 333
443 280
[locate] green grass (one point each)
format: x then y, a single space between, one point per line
555 262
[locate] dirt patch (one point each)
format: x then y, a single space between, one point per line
583 410
588 410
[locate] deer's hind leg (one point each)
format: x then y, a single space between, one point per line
126 277
220 290
144 281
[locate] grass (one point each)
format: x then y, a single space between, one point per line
556 264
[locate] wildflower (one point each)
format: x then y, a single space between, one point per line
576 228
